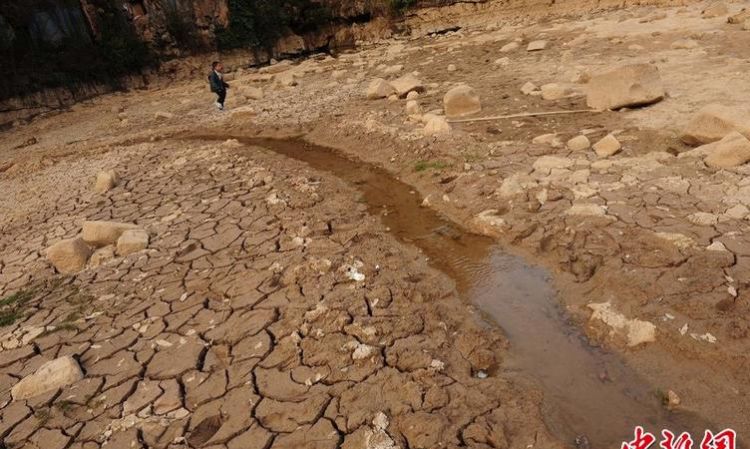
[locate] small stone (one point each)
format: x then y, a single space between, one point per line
502 61
703 218
379 88
716 246
554 91
163 115
412 108
393 69
105 181
590 210
548 139
738 212
509 47
536 45
579 143
102 233
131 241
50 376
460 101
69 256
608 146
740 17
437 126
285 79
252 93
413 95
672 399
101 256
529 88
548 163
684 44
451 67
718 9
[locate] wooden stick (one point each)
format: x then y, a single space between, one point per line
525 114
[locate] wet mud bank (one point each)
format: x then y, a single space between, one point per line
591 397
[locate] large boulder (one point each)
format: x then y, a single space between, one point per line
50 376
631 85
461 100
379 88
714 122
103 233
731 151
407 83
69 256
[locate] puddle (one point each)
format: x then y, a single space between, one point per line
587 391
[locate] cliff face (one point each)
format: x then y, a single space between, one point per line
136 43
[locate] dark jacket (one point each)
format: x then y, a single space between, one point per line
217 83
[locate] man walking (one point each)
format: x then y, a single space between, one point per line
218 86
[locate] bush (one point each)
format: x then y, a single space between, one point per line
181 26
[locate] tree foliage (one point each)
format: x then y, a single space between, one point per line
51 46
260 23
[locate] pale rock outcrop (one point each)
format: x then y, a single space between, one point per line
69 256
460 101
631 85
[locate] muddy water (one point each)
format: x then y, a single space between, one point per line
586 390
